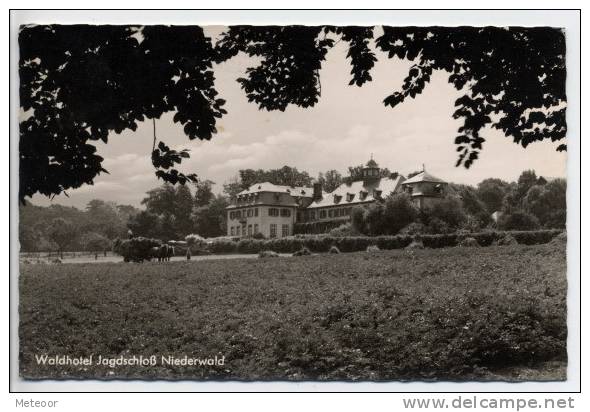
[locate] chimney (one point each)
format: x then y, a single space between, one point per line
317 191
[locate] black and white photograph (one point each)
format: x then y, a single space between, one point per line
292 202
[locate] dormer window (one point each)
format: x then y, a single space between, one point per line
377 193
349 197
337 198
362 195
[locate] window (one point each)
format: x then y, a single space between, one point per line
238 214
231 215
273 230
285 213
256 212
312 215
232 231
237 231
249 230
273 211
348 210
250 212
349 197
243 230
322 214
285 231
330 213
256 227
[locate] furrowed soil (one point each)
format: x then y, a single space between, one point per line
494 313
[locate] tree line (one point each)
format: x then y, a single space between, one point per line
173 212
530 203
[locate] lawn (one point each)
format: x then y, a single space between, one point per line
452 314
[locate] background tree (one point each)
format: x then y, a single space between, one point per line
355 173
79 83
285 176
547 202
210 220
145 224
330 180
491 192
518 220
62 233
449 210
95 242
203 192
183 207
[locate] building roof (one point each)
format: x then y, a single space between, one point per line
339 196
423 177
299 191
372 163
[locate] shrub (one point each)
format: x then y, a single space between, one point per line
437 226
195 242
303 252
373 249
344 229
448 210
353 243
398 212
258 235
249 246
560 239
267 254
507 240
414 228
334 249
469 242
439 240
535 237
415 245
393 242
223 246
357 219
518 220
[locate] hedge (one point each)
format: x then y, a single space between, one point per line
322 244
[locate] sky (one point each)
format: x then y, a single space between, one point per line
345 127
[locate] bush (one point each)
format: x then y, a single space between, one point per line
518 220
398 212
258 235
414 228
415 245
469 242
373 249
507 240
448 210
223 246
267 254
437 226
345 244
334 249
303 252
357 219
344 229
